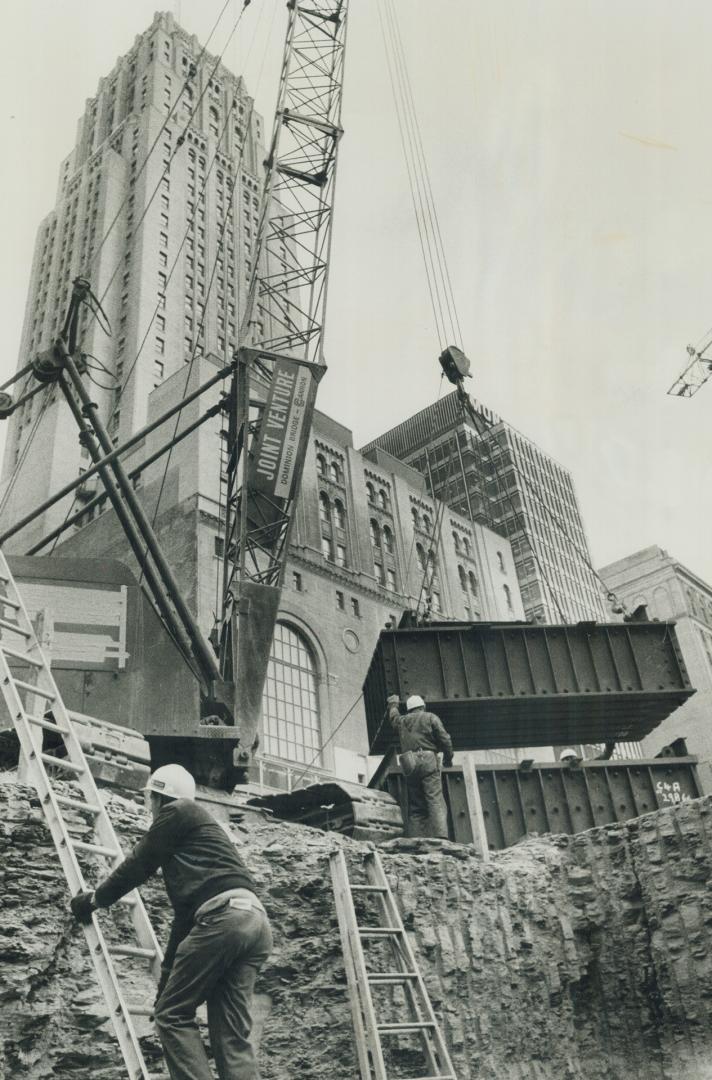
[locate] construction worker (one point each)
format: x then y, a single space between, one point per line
220 935
422 736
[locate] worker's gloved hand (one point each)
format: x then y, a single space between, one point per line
447 761
393 699
82 905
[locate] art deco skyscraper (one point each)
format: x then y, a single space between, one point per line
157 206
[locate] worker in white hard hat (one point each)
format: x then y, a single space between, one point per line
422 736
220 936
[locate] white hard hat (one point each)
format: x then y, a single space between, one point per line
415 701
172 780
568 754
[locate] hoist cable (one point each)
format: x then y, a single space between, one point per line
414 192
424 173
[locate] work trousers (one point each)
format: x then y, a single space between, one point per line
427 812
216 963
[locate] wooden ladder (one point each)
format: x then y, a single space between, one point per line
35 705
405 973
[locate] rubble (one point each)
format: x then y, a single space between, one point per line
563 958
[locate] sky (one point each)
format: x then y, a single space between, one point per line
570 159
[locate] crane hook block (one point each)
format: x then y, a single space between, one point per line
455 364
7 405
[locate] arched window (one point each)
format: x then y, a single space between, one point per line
188 106
463 578
426 523
290 710
416 517
466 546
213 121
473 583
500 560
456 542
321 464
339 514
382 499
334 472
421 557
508 597
388 545
375 533
370 492
324 508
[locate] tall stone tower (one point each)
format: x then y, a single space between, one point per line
157 206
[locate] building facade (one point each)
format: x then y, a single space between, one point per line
506 482
670 591
368 543
157 207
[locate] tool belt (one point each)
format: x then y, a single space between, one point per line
410 760
241 899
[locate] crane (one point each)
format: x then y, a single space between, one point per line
696 374
274 377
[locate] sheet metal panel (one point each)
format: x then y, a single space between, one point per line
555 798
512 684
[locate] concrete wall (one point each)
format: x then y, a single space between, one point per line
583 958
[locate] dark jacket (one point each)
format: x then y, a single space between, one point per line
420 730
198 860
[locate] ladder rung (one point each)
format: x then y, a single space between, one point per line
15 628
25 657
391 976
378 931
77 804
369 888
411 1025
132 950
49 695
6 602
62 763
143 1010
97 849
440 1076
49 725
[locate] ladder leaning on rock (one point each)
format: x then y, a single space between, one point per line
35 705
404 972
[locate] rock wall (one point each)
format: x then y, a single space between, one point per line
564 957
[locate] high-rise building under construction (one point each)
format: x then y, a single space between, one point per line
158 196
505 481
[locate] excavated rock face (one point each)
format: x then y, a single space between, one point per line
585 957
